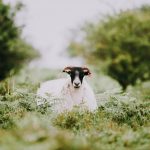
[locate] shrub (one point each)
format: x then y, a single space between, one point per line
115 111
6 121
14 51
121 44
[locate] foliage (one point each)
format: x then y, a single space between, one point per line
14 51
120 123
119 43
132 113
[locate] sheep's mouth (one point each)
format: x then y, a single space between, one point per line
76 87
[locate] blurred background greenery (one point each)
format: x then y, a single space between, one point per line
14 51
117 49
118 45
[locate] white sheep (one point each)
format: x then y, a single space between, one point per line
73 91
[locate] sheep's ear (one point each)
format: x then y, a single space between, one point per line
67 69
86 71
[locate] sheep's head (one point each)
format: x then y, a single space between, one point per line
77 74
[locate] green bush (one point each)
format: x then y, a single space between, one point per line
122 121
114 111
14 51
121 44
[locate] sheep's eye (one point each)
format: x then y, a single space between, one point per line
81 75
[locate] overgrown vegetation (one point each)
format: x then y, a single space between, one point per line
121 122
14 51
119 44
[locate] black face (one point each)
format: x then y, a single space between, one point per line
77 74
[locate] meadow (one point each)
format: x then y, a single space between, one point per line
122 121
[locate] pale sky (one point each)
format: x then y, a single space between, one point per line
48 23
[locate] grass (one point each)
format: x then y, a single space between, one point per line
122 121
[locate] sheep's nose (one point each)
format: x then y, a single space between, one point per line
76 84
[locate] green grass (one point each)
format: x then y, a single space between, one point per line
122 121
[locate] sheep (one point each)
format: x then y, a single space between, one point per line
75 91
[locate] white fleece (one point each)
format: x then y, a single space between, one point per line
63 89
